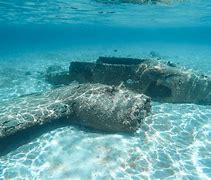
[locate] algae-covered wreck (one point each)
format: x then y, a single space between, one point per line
160 80
97 106
113 95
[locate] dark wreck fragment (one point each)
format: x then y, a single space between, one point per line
162 81
96 106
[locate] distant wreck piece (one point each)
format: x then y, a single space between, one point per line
162 81
139 1
96 106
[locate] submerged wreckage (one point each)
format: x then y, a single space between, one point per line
112 94
97 106
162 81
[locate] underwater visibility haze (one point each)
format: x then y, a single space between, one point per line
39 37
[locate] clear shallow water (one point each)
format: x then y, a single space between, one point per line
190 13
174 142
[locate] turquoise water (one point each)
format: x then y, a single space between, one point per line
174 142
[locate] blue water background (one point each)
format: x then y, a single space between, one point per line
173 143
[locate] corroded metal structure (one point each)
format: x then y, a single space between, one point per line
162 81
97 106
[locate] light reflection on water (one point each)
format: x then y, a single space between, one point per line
189 13
172 143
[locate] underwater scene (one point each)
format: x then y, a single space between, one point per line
105 89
